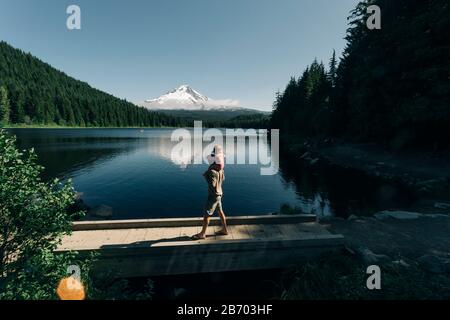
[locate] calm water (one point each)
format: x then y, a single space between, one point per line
132 171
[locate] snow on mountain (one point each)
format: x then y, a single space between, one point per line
186 98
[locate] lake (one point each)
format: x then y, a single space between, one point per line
133 172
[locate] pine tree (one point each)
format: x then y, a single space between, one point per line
332 72
40 94
4 106
390 86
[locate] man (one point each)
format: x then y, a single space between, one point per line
214 177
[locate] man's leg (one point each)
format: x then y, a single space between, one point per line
210 207
223 219
206 219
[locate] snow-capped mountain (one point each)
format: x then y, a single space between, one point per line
186 98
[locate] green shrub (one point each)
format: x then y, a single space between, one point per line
34 216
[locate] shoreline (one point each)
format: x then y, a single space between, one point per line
79 128
425 173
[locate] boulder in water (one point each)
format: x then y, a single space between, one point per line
370 258
101 211
353 218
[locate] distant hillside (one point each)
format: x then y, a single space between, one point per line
254 121
41 94
212 115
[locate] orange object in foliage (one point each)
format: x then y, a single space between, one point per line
70 289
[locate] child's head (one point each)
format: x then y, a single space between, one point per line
217 149
217 158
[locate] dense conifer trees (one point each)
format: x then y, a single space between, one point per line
391 85
39 94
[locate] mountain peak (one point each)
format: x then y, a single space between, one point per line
185 92
186 98
184 87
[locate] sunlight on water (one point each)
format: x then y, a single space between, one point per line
133 172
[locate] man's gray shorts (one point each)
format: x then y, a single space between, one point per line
213 204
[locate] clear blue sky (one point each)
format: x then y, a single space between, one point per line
139 49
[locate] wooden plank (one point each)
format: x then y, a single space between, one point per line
76 240
171 247
190 222
166 250
188 232
239 232
230 233
93 239
135 235
288 230
187 262
171 233
311 228
114 236
97 237
256 231
272 231
156 234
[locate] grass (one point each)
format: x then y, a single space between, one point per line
342 277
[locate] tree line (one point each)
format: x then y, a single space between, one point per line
32 92
390 86
256 121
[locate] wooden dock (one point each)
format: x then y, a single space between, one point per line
139 248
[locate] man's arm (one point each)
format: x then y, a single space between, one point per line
206 175
211 177
214 178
